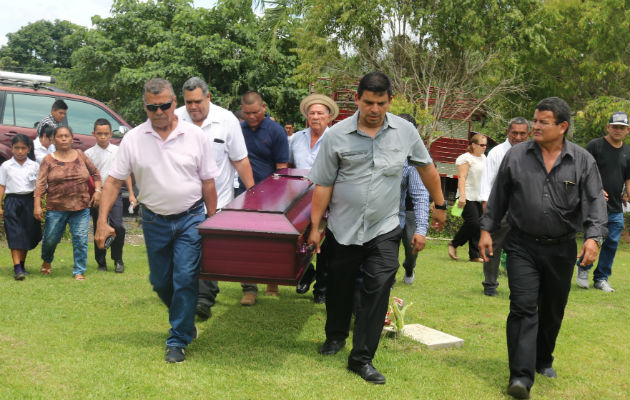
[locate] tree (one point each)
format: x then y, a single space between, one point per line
41 46
174 40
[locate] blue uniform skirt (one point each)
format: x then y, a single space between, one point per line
24 232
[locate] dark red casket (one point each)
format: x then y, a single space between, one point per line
260 236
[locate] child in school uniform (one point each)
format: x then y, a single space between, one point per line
18 177
102 155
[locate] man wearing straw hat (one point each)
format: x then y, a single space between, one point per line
319 110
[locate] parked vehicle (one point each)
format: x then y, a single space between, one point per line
25 99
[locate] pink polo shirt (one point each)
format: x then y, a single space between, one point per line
168 172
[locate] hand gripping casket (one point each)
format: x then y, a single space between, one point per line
261 236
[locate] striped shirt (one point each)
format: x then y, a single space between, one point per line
412 184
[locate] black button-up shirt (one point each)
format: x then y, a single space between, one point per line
550 204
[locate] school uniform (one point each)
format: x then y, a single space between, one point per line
23 231
103 159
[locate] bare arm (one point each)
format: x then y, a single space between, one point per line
132 196
321 199
431 180
462 174
109 196
244 169
2 188
209 194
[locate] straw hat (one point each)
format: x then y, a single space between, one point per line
319 99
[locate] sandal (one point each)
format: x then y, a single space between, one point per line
79 277
45 270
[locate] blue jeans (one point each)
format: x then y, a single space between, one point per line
609 248
174 252
55 225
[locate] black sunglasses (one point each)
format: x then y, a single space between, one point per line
163 106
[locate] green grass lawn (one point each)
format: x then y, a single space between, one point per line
104 339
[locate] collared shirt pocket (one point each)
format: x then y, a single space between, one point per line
564 193
390 161
218 146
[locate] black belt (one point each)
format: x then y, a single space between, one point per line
195 207
546 240
20 194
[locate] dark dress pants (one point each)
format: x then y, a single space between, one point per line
539 277
491 268
116 222
208 291
379 258
470 229
321 270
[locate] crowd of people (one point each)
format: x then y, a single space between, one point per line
374 177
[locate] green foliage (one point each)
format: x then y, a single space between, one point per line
41 46
591 122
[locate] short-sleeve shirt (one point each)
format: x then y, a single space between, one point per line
302 155
168 172
102 158
366 174
266 146
475 170
493 161
614 168
224 131
18 179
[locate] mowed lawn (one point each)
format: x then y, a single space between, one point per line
104 339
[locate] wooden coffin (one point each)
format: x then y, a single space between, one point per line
260 237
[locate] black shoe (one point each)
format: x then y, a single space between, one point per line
305 281
368 373
518 389
175 354
548 372
490 292
331 347
18 273
119 266
102 266
320 298
203 311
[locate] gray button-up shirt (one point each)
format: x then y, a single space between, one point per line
366 175
549 205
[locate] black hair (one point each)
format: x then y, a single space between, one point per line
408 117
376 82
101 122
22 138
47 131
558 107
59 105
289 123
59 127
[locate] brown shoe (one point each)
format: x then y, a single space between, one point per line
249 299
46 267
478 259
79 277
452 251
272 290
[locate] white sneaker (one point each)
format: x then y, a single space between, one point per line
582 277
603 285
409 279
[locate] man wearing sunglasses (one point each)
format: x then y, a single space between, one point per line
516 132
173 163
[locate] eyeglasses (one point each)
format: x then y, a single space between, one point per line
163 106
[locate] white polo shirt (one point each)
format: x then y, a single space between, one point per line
224 131
168 172
41 151
102 158
18 179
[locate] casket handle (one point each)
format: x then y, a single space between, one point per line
306 249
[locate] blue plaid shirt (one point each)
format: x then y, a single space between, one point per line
412 184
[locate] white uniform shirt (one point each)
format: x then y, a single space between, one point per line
224 132
102 158
475 170
18 179
168 172
493 162
41 151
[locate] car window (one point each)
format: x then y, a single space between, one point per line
26 110
81 117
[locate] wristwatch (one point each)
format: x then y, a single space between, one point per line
599 240
442 207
